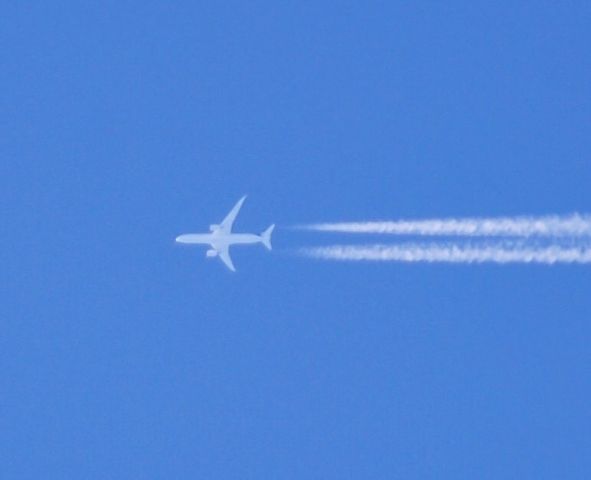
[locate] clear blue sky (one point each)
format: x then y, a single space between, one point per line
125 356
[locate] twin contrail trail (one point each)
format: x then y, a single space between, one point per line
543 240
548 226
454 253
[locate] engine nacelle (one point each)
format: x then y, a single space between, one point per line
211 253
214 228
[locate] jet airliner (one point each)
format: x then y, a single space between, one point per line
220 237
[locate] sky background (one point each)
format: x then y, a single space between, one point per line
127 123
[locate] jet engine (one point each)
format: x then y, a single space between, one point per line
214 228
211 253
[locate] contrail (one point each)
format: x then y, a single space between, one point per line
500 252
574 225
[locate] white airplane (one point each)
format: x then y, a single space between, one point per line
221 238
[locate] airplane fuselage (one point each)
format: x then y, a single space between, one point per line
217 240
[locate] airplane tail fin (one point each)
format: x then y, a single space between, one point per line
266 237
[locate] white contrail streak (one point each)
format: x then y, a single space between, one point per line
548 226
453 253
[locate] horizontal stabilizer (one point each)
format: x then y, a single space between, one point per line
266 237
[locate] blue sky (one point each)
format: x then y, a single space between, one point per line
127 123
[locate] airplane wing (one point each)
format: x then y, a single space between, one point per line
225 257
226 225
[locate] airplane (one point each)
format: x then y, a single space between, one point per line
220 237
